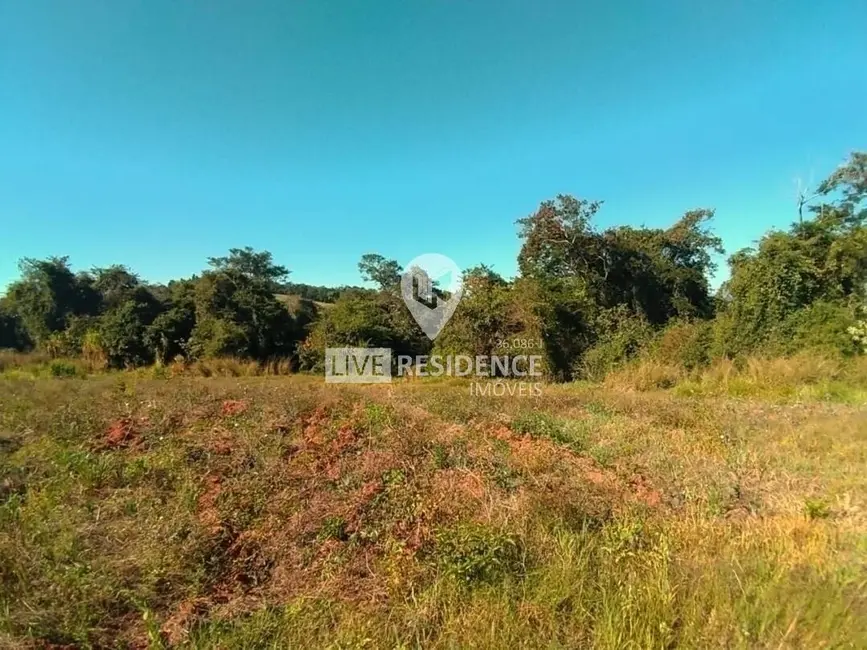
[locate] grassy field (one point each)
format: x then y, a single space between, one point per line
262 512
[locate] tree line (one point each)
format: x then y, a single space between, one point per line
588 298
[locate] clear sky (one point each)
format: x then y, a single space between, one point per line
157 133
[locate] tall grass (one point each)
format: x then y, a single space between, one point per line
806 375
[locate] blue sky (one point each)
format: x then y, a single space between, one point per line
159 133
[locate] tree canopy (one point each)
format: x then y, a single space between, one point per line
586 297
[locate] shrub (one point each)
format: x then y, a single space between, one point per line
311 351
822 327
622 337
724 340
684 343
217 337
121 334
62 368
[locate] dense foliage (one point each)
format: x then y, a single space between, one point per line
587 298
109 314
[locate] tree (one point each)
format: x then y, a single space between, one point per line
850 179
823 259
168 336
582 278
487 316
122 331
858 331
237 315
114 284
593 296
363 319
12 333
47 295
559 240
379 270
312 292
660 274
657 273
252 265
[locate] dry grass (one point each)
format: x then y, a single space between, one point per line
645 375
10 359
281 512
809 377
223 367
35 365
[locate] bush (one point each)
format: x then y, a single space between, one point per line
311 351
217 337
362 319
822 327
334 528
684 343
61 368
621 338
121 334
724 340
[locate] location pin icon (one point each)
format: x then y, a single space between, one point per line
431 288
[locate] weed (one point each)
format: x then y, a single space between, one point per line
334 528
505 476
571 434
602 454
473 553
59 368
377 417
393 477
816 509
455 455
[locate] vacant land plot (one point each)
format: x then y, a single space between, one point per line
280 512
